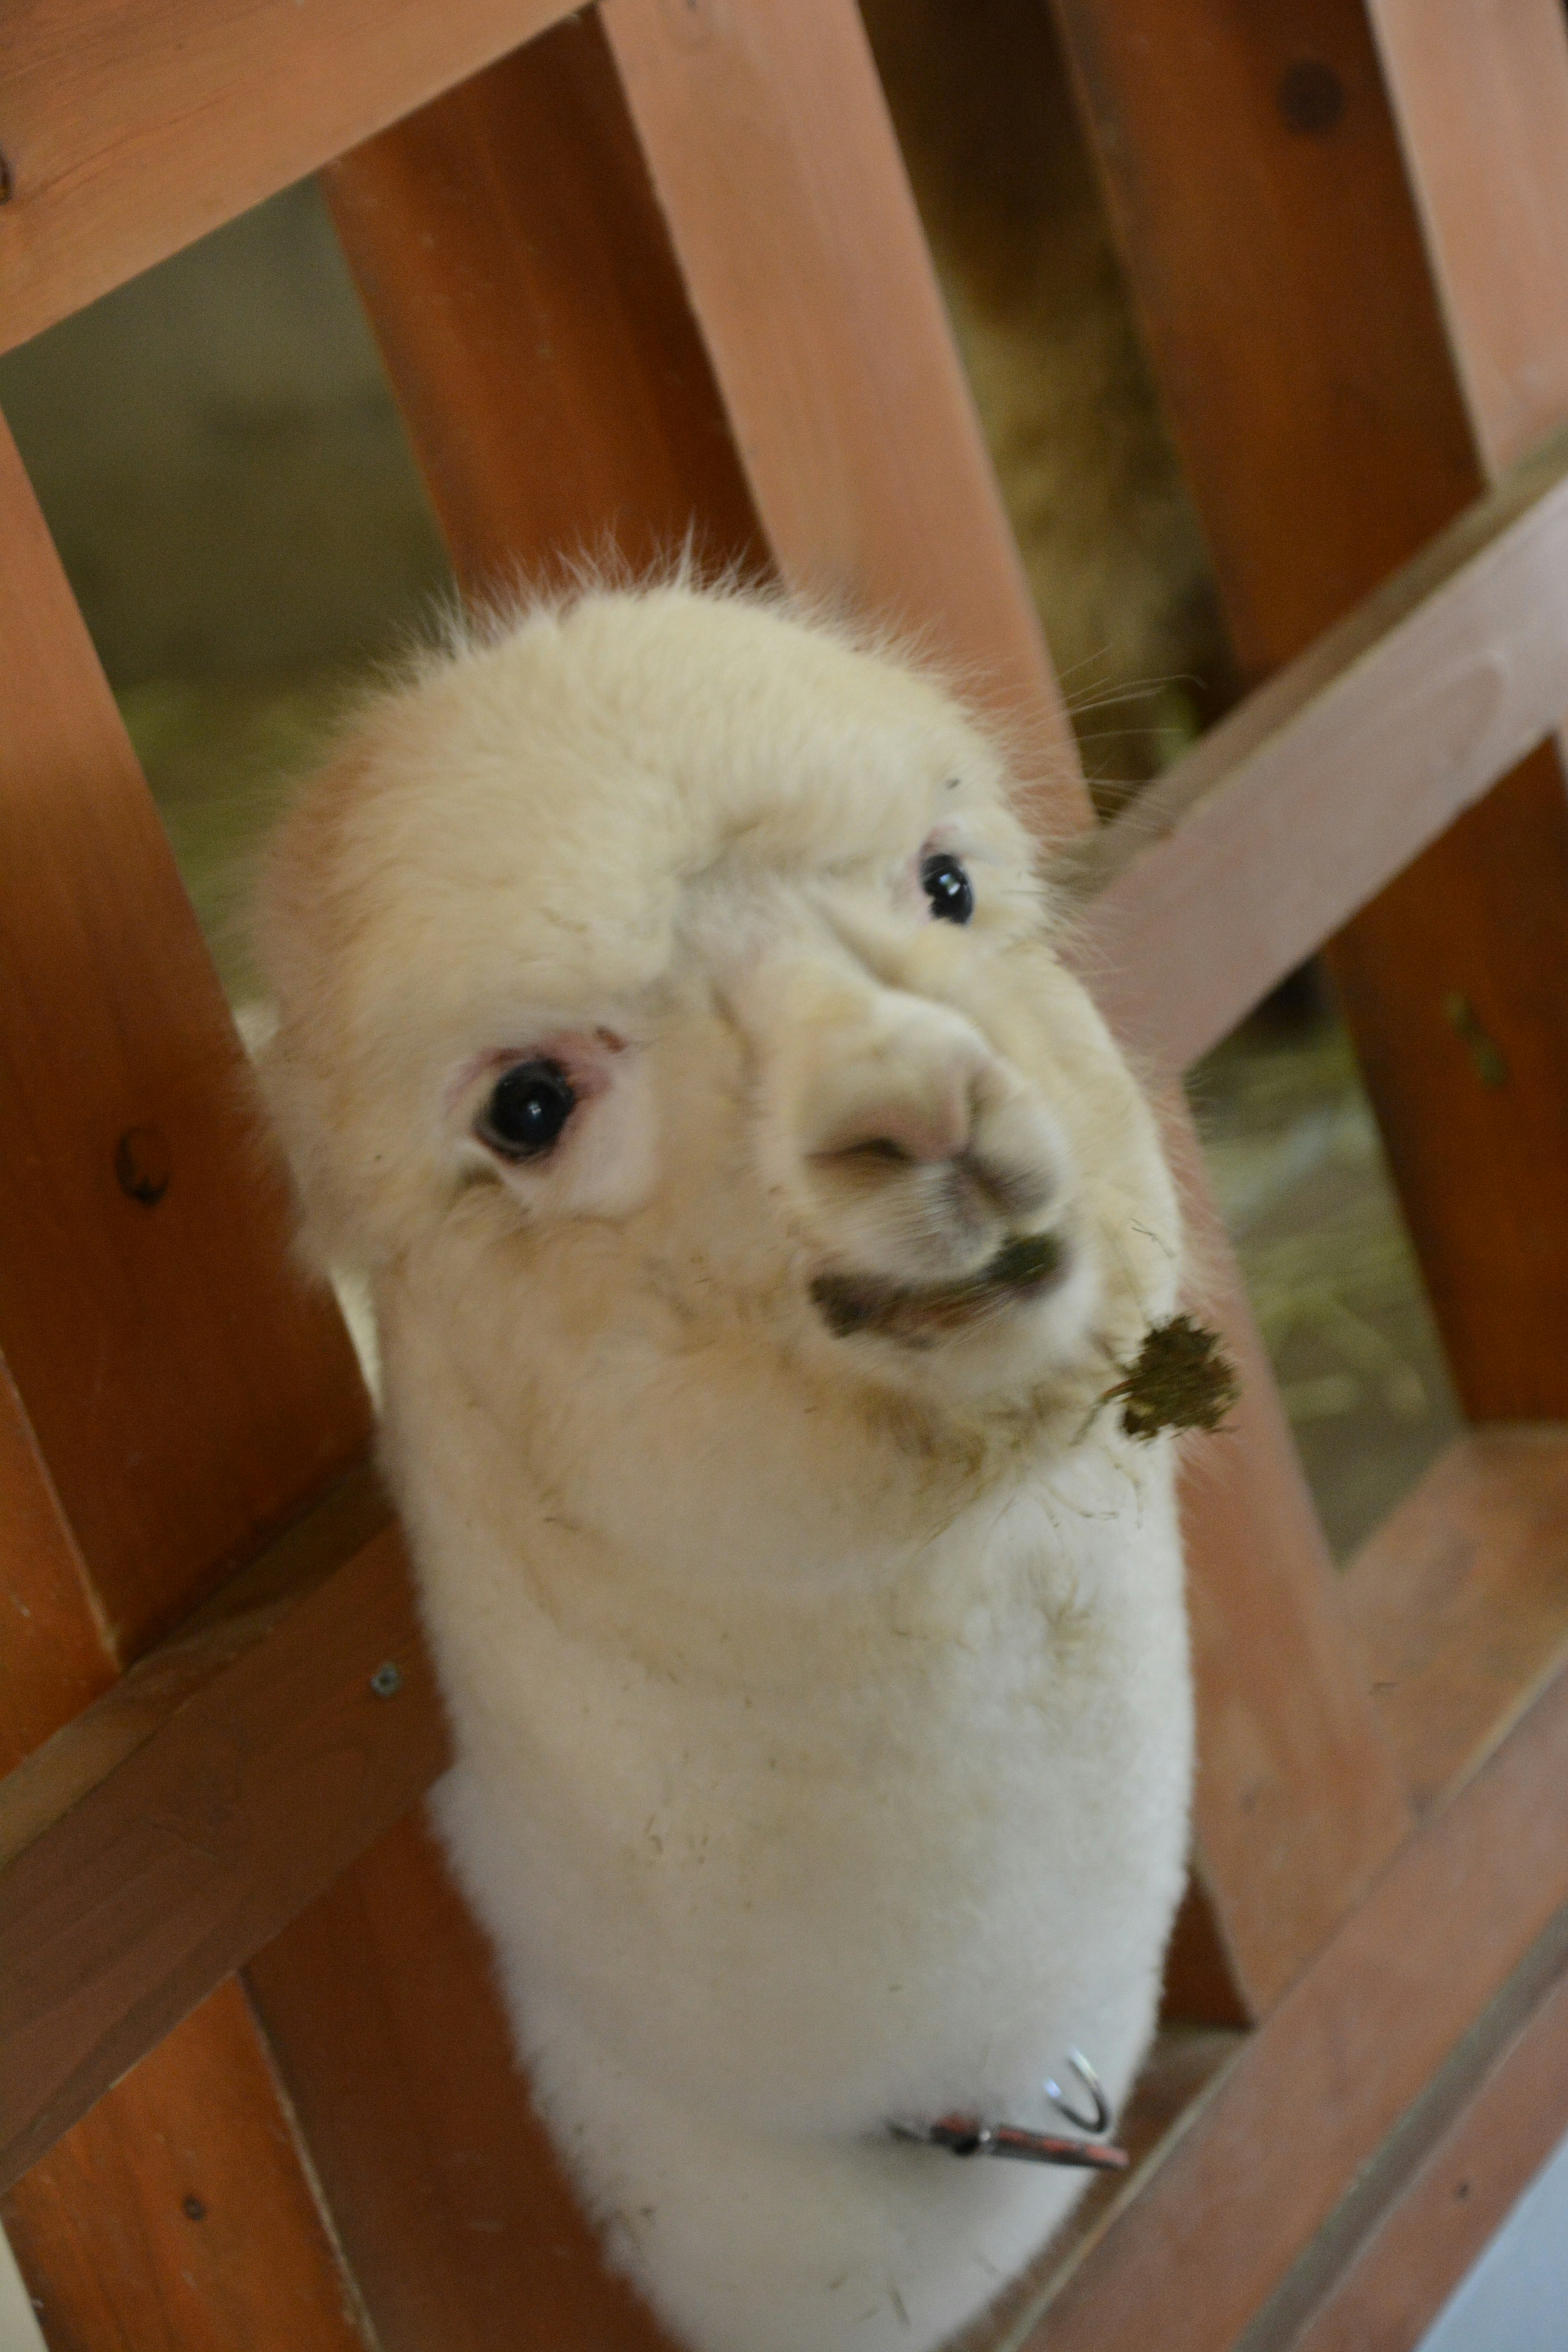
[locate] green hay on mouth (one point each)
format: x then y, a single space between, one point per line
1180 1380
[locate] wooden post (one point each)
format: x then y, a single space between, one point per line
1319 413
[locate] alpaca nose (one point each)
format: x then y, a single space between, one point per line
928 1128
914 1098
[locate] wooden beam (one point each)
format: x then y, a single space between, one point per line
158 1224
163 1837
769 145
1459 1605
1297 808
1437 2217
178 2213
1214 2230
500 286
127 134
1473 89
1320 415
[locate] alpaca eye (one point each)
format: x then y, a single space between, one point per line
948 887
527 1110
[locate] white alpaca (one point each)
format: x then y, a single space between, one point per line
756 1215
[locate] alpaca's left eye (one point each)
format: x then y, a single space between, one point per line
527 1110
948 886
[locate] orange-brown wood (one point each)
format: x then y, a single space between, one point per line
126 134
771 153
1320 417
158 1840
56 1658
447 2192
774 161
1459 1605
1297 1803
1443 2217
1214 2230
176 2218
511 257
185 1385
1301 803
1481 97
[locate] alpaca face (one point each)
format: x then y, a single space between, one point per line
697 958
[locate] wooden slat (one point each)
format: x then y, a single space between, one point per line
177 2218
1298 1803
1213 2231
1299 808
498 286
1311 389
381 2003
127 131
1441 2219
1481 96
185 1384
770 146
159 1839
1459 1605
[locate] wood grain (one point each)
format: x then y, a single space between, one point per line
176 2218
770 147
510 255
1443 2215
56 1656
381 2004
128 134
1480 98
186 1386
160 1838
1322 418
1297 809
175 1390
1211 2232
1459 1605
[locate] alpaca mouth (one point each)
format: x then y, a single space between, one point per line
1020 1272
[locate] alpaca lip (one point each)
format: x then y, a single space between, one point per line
1022 1269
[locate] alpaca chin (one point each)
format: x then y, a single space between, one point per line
756 1214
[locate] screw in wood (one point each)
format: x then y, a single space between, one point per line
387 1680
1310 97
141 1165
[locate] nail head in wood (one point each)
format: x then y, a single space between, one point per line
387 1680
141 1165
1310 97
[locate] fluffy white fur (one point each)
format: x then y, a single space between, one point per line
820 1697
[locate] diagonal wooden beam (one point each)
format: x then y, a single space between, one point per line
121 142
1327 781
168 1832
1440 1966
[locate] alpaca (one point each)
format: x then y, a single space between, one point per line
757 1217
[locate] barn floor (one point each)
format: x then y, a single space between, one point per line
1291 1144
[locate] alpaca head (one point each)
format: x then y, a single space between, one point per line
683 962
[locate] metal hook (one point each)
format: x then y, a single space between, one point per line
1097 2123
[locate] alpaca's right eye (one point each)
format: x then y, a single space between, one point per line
528 1109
